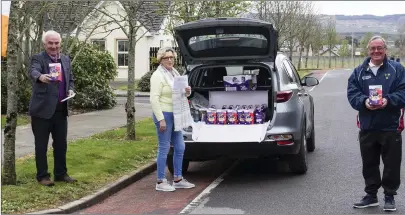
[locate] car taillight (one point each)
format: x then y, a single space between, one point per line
283 96
282 139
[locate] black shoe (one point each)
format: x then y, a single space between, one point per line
367 201
389 203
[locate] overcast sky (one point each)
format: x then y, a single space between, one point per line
378 8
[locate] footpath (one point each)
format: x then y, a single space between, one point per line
80 126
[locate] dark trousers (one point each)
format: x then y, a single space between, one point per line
388 145
57 126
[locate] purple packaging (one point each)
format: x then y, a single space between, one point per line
55 71
211 116
259 115
221 117
249 116
375 96
237 82
241 116
232 117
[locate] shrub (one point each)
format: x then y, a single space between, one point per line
93 70
23 93
144 82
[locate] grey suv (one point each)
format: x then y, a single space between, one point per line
214 48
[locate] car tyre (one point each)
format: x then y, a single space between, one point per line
311 139
169 163
298 163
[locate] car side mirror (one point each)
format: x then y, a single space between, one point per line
310 81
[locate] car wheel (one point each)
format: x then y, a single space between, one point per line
169 163
298 162
311 139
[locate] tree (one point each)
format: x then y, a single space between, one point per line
330 37
131 19
183 11
285 16
344 50
9 173
355 40
305 28
364 43
316 40
400 43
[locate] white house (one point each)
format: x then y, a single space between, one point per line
112 39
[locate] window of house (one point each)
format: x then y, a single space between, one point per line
161 43
99 43
122 52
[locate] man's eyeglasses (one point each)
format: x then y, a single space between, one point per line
378 48
168 58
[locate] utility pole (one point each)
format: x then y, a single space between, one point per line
352 50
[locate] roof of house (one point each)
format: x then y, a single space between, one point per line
65 17
150 14
326 50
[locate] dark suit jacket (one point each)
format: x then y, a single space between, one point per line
45 96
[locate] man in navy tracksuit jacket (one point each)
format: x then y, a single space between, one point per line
380 125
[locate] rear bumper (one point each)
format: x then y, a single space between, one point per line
206 151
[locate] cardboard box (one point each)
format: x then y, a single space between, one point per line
238 83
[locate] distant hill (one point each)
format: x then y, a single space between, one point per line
360 24
369 23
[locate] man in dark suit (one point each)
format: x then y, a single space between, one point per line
52 81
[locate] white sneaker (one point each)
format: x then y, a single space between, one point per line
183 184
164 186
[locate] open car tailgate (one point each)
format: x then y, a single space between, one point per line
214 40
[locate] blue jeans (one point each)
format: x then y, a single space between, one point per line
167 137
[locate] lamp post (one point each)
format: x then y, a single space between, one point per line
352 49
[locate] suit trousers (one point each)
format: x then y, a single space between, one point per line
388 146
57 127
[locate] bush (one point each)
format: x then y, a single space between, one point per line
93 70
23 93
144 82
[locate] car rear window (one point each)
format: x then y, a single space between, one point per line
205 42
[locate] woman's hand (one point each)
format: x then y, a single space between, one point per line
162 124
188 91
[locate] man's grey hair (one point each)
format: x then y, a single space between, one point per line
377 38
162 52
50 33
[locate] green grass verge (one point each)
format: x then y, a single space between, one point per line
125 87
303 73
21 120
94 161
